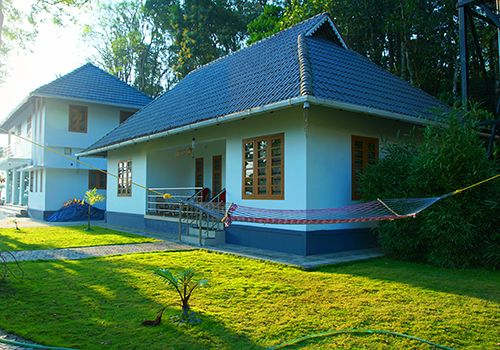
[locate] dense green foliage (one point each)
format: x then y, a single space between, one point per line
459 231
100 303
35 238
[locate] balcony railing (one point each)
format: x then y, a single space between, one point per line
15 150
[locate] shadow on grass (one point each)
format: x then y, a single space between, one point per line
478 283
11 243
100 304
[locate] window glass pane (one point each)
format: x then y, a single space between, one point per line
276 190
257 177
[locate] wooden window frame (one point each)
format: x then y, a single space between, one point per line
71 126
97 180
201 160
268 195
364 161
126 173
214 158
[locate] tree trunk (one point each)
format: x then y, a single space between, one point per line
88 217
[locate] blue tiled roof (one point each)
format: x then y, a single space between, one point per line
90 83
268 72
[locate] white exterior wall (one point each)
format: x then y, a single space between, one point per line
136 203
174 168
101 120
329 162
161 169
317 159
62 185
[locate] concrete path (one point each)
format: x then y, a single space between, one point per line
11 337
93 252
309 262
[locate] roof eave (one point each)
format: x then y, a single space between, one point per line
132 106
11 115
371 111
205 123
258 110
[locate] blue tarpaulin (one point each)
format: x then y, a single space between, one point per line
76 212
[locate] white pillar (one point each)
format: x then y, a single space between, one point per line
15 187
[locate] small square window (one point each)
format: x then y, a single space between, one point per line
78 118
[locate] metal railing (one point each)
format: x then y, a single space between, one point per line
194 217
159 206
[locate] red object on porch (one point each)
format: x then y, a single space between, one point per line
205 193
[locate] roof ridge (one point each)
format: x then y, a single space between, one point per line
260 41
306 86
61 77
82 67
116 78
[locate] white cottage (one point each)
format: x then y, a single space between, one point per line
66 115
286 123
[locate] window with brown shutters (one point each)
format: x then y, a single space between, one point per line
364 152
97 179
78 117
198 172
125 178
263 166
216 174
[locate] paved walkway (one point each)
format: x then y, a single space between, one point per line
93 252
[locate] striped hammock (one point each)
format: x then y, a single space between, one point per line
378 210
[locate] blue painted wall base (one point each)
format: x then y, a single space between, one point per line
40 214
139 221
301 242
287 241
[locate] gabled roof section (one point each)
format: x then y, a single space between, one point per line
88 84
92 84
309 61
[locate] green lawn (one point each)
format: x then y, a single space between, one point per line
63 237
100 304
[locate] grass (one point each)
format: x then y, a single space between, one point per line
64 237
100 304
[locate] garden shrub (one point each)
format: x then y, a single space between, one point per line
459 231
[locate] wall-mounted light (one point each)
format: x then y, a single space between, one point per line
193 145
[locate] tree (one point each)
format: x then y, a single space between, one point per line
184 282
131 47
458 231
91 198
415 39
18 29
202 30
267 24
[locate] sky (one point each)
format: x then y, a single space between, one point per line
55 51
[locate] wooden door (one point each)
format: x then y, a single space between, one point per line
216 174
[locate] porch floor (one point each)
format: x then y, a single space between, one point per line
304 262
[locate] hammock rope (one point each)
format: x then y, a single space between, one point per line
378 210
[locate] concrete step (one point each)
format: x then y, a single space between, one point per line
14 210
214 238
